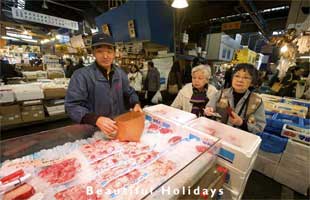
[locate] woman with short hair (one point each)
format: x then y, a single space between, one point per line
193 97
238 106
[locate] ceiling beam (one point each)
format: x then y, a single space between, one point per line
249 7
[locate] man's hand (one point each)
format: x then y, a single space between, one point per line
209 111
137 108
107 126
236 119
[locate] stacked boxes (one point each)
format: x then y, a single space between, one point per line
293 169
10 115
28 92
238 152
32 112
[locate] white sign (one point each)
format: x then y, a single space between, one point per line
44 19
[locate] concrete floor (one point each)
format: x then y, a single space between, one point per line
258 186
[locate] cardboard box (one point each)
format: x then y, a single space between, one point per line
6 120
32 103
32 108
54 93
10 110
30 116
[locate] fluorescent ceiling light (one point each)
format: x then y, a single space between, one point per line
30 40
179 4
9 38
16 35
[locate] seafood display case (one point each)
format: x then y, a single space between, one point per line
76 162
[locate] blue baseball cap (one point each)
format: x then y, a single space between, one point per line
102 39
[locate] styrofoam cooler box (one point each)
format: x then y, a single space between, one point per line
168 117
230 194
235 178
300 151
295 181
239 148
274 157
170 113
6 95
212 143
265 166
296 133
28 92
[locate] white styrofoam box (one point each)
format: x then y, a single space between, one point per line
6 96
167 117
295 181
230 194
238 147
28 92
171 113
274 157
300 151
296 133
236 178
265 166
294 165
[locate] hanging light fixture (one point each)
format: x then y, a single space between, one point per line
179 4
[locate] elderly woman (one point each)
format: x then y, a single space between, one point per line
238 106
193 97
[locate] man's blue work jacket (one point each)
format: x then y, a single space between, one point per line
90 92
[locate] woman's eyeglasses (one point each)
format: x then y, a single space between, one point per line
246 78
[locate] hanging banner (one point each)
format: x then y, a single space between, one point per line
44 19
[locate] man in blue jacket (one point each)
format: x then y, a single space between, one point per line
97 93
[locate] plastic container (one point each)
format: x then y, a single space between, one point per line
280 119
275 131
299 102
296 133
265 166
235 178
272 143
238 147
269 117
289 109
130 126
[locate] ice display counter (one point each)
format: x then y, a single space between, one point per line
76 162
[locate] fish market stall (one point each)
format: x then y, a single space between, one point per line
77 162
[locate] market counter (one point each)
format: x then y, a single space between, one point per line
163 160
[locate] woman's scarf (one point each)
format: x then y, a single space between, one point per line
199 100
